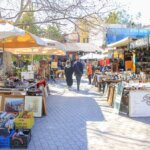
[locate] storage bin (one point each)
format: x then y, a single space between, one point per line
24 123
21 141
5 140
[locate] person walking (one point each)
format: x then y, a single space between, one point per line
68 73
89 71
78 70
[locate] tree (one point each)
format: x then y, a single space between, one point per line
122 17
53 32
56 12
26 22
113 18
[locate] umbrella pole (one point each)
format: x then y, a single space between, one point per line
3 55
32 56
32 59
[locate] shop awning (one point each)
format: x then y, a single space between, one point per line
121 43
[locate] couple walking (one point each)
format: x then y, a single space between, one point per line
77 68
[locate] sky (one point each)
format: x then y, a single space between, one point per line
135 6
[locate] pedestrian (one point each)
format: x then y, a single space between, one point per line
69 73
89 71
78 70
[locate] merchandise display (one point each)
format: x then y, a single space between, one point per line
15 129
143 61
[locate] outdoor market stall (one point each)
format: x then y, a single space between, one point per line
127 93
122 57
141 57
20 99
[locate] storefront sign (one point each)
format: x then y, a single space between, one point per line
139 103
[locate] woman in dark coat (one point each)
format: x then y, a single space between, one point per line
68 73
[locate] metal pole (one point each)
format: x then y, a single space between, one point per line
32 56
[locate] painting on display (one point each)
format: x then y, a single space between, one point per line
54 65
13 103
34 104
139 103
111 95
118 97
106 90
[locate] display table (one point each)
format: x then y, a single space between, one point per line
29 97
130 98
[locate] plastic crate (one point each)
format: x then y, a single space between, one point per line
24 123
5 140
21 141
4 132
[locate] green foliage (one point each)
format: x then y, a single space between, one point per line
53 32
122 17
18 71
27 20
113 18
40 57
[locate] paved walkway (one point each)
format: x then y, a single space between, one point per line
83 121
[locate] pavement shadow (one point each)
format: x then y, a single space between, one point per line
66 123
145 120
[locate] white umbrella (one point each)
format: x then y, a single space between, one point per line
8 30
92 56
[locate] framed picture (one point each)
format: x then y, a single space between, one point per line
139 103
13 103
34 104
1 103
54 65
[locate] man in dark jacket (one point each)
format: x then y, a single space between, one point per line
78 70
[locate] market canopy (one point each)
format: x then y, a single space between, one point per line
92 56
121 43
9 30
52 48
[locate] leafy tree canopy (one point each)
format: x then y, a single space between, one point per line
122 17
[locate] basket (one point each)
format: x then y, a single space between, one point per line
21 141
24 123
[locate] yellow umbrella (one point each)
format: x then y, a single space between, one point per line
52 48
7 29
36 51
27 40
14 37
